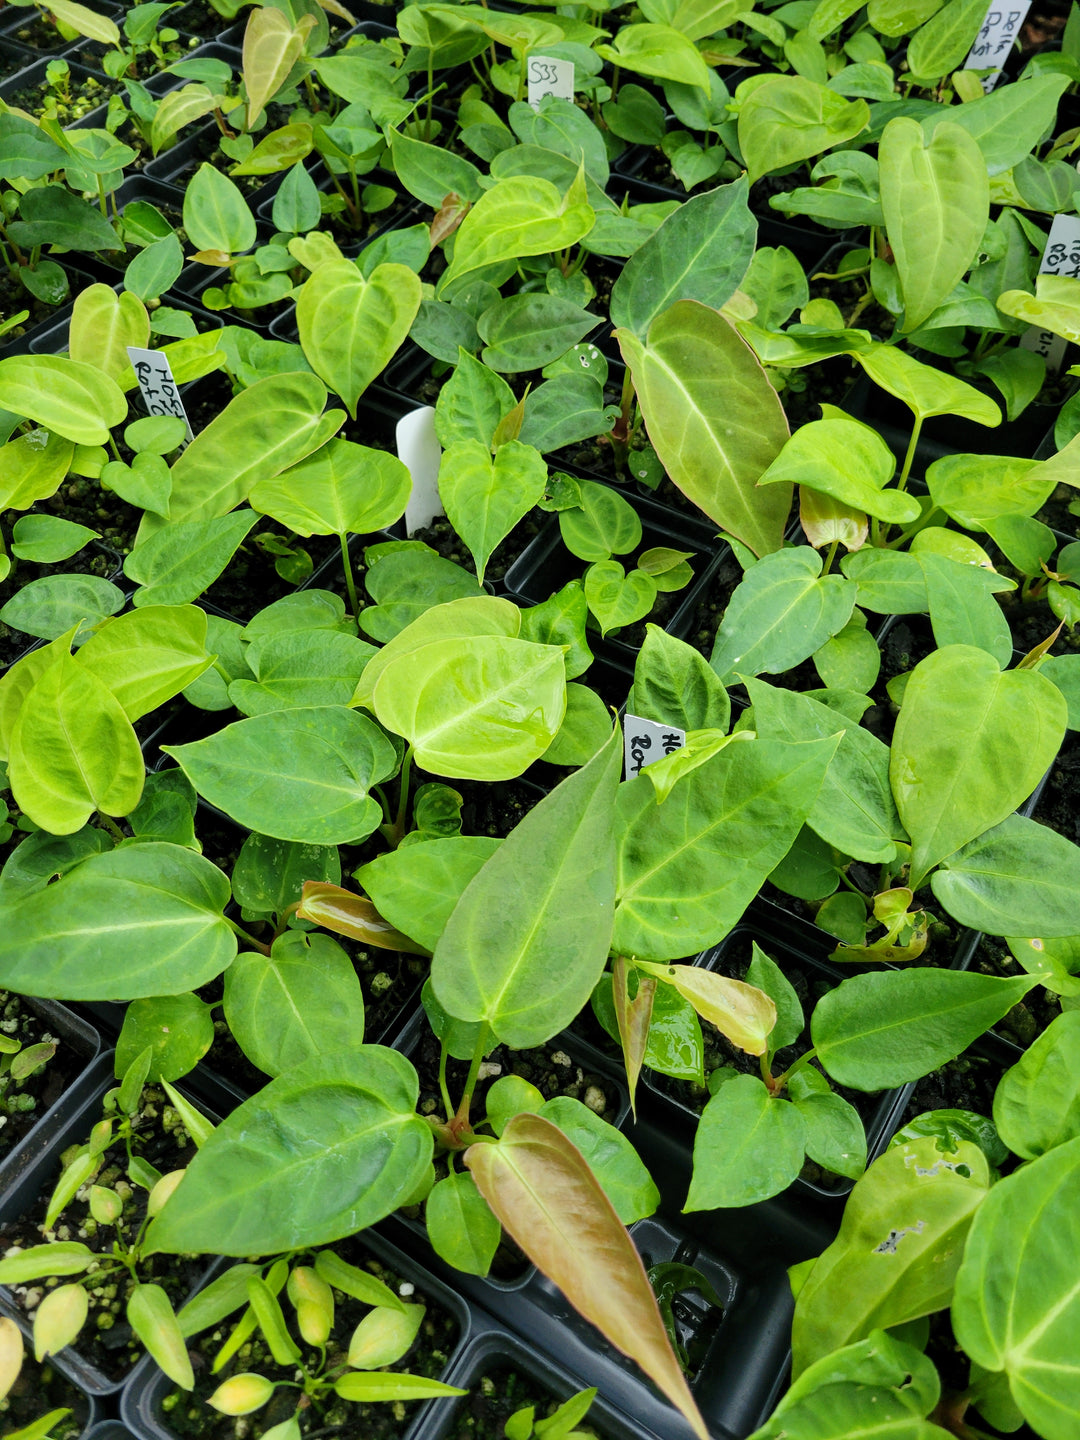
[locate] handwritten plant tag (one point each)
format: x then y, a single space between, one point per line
645 741
1060 257
548 76
419 450
160 392
995 39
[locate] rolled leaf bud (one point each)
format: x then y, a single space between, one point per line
314 1302
58 1319
241 1394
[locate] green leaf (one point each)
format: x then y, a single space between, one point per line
431 172
216 215
781 612
175 565
300 668
524 215
885 1028
482 707
153 909
674 1045
103 324
688 868
788 118
269 426
73 751
296 203
1037 1102
417 886
485 497
969 746
926 390
301 774
835 1137
609 1155
56 603
319 1153
460 1224
300 1001
658 51
617 598
1015 1307
151 1316
1008 123
674 685
898 1250
748 1145
351 327
700 252
876 1388
47 539
963 610
32 468
936 200
766 975
527 332
472 402
712 416
976 490
847 460
408 583
179 1030
890 582
528 939
1018 878
69 397
342 488
943 42
52 215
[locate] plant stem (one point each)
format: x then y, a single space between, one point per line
111 826
448 1104
916 429
243 935
462 1115
403 799
830 557
350 582
800 1064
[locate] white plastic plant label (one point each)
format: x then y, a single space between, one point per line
645 741
160 392
1061 257
995 39
419 450
548 76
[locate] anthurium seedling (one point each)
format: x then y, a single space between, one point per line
519 988
310 1363
62 1314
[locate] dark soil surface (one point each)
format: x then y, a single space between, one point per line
107 1340
496 1395
187 1414
23 1102
1028 1019
966 1083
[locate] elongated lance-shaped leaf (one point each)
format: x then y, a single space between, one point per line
528 939
154 1321
271 48
548 1199
633 1018
713 418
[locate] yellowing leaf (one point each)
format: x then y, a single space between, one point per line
743 1013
